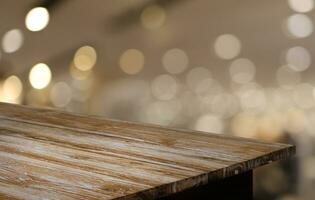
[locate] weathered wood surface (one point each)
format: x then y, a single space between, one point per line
47 154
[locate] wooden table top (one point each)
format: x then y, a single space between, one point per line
47 154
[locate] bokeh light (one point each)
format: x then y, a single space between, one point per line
245 125
225 105
85 58
164 87
40 76
253 99
37 19
131 61
207 89
175 61
299 26
302 6
195 75
60 94
191 104
227 46
298 58
209 123
242 70
78 74
12 89
270 126
174 64
162 112
12 40
296 121
153 17
303 96
83 84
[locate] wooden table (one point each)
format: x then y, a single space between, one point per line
48 155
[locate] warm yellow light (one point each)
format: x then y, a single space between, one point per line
153 17
85 58
40 76
301 5
12 88
303 96
12 40
245 125
131 61
227 46
37 19
209 123
78 74
295 121
270 126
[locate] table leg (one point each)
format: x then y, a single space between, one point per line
235 187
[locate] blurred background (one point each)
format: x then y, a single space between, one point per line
243 68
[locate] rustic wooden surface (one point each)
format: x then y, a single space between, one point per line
45 154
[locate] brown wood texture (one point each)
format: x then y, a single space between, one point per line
47 154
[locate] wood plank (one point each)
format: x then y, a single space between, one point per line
48 154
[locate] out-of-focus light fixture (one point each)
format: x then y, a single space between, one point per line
175 61
12 89
40 76
196 75
227 46
85 58
77 74
132 61
207 89
299 26
153 17
242 70
298 58
164 87
209 123
224 105
245 125
12 40
37 19
302 6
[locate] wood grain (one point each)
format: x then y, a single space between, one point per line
47 154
